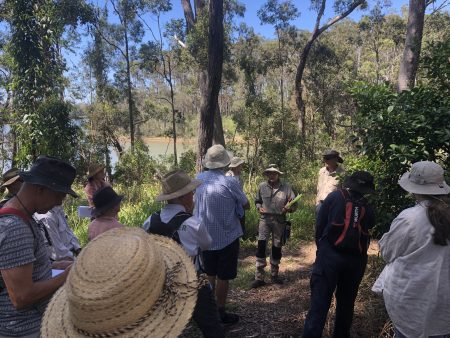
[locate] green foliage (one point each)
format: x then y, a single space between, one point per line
397 129
135 166
187 162
49 130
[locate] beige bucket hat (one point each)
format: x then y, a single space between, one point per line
273 168
125 283
175 184
235 162
331 153
216 157
94 169
9 177
425 178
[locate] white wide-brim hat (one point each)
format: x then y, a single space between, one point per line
425 178
125 283
216 157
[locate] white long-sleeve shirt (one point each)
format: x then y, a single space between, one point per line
63 240
416 280
192 232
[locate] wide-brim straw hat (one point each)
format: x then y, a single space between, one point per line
94 169
176 184
9 177
235 162
425 178
273 168
125 283
217 157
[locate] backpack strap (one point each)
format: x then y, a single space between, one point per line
170 229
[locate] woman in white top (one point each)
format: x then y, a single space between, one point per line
416 280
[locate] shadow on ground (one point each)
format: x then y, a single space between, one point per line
280 310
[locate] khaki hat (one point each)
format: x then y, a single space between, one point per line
425 178
273 168
94 169
125 283
216 157
235 162
331 153
175 184
10 176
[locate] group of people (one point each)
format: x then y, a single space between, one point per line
149 282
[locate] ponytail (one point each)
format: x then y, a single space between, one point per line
438 212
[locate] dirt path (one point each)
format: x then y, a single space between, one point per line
280 310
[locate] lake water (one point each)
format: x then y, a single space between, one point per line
158 147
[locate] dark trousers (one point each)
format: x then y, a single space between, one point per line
206 314
333 271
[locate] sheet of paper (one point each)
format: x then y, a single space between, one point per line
56 272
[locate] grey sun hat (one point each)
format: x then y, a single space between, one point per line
331 153
235 162
425 178
176 184
273 168
216 157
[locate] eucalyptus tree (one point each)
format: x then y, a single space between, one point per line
342 9
161 56
280 14
125 37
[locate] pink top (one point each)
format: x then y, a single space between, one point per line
92 187
102 224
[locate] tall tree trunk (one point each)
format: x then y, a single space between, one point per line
219 137
304 57
413 43
129 89
188 14
210 93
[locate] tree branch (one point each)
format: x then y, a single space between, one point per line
340 16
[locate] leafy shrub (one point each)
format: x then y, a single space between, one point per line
397 129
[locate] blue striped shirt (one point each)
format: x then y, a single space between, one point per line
217 203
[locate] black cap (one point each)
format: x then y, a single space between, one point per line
360 181
52 173
104 199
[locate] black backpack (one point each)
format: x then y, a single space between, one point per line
352 236
170 229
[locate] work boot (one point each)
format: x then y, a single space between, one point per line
258 283
227 317
276 279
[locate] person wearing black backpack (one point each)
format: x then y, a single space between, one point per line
175 220
342 241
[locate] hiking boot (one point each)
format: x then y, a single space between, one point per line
257 283
276 280
229 318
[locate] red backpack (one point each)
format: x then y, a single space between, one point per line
351 236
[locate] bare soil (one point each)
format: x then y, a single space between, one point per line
280 310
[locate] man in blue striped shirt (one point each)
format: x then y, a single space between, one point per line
219 202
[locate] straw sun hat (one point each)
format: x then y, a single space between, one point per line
125 283
176 184
94 169
425 178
